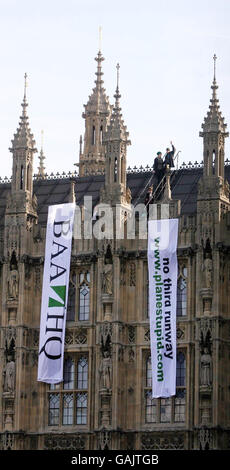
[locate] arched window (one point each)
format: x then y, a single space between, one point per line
180 398
150 403
82 373
28 178
148 372
54 409
123 173
115 169
68 383
84 297
213 161
180 370
101 134
68 406
21 177
93 135
82 405
182 293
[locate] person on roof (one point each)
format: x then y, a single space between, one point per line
169 156
158 167
148 199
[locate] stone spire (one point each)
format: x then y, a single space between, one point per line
116 128
98 102
41 168
116 140
214 121
214 134
97 114
23 149
23 138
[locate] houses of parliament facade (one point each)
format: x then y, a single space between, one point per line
104 401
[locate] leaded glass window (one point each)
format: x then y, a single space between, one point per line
68 404
82 373
54 409
82 408
67 408
84 296
182 292
166 410
180 398
150 408
68 374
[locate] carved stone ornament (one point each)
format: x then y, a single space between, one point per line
107 279
12 282
64 442
9 376
105 372
207 270
205 439
104 440
205 368
153 442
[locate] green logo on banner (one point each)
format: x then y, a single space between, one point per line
61 292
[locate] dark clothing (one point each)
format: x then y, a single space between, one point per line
159 175
169 158
148 198
158 164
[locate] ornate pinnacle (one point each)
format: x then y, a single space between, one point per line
214 59
118 68
214 84
99 59
23 137
214 121
24 102
41 168
117 93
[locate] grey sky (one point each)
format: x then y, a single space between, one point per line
165 51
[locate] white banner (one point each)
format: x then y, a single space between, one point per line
55 292
162 266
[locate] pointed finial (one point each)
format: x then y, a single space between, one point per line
25 84
117 93
100 37
41 168
24 101
214 59
118 75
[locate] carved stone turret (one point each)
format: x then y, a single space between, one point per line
23 149
97 114
116 140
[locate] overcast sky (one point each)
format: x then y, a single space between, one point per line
165 51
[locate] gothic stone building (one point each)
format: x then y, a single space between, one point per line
105 400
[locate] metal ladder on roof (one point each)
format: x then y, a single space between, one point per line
159 190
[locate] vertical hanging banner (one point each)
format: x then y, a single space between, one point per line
162 267
55 292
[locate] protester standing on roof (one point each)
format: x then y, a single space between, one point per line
159 167
148 199
169 156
